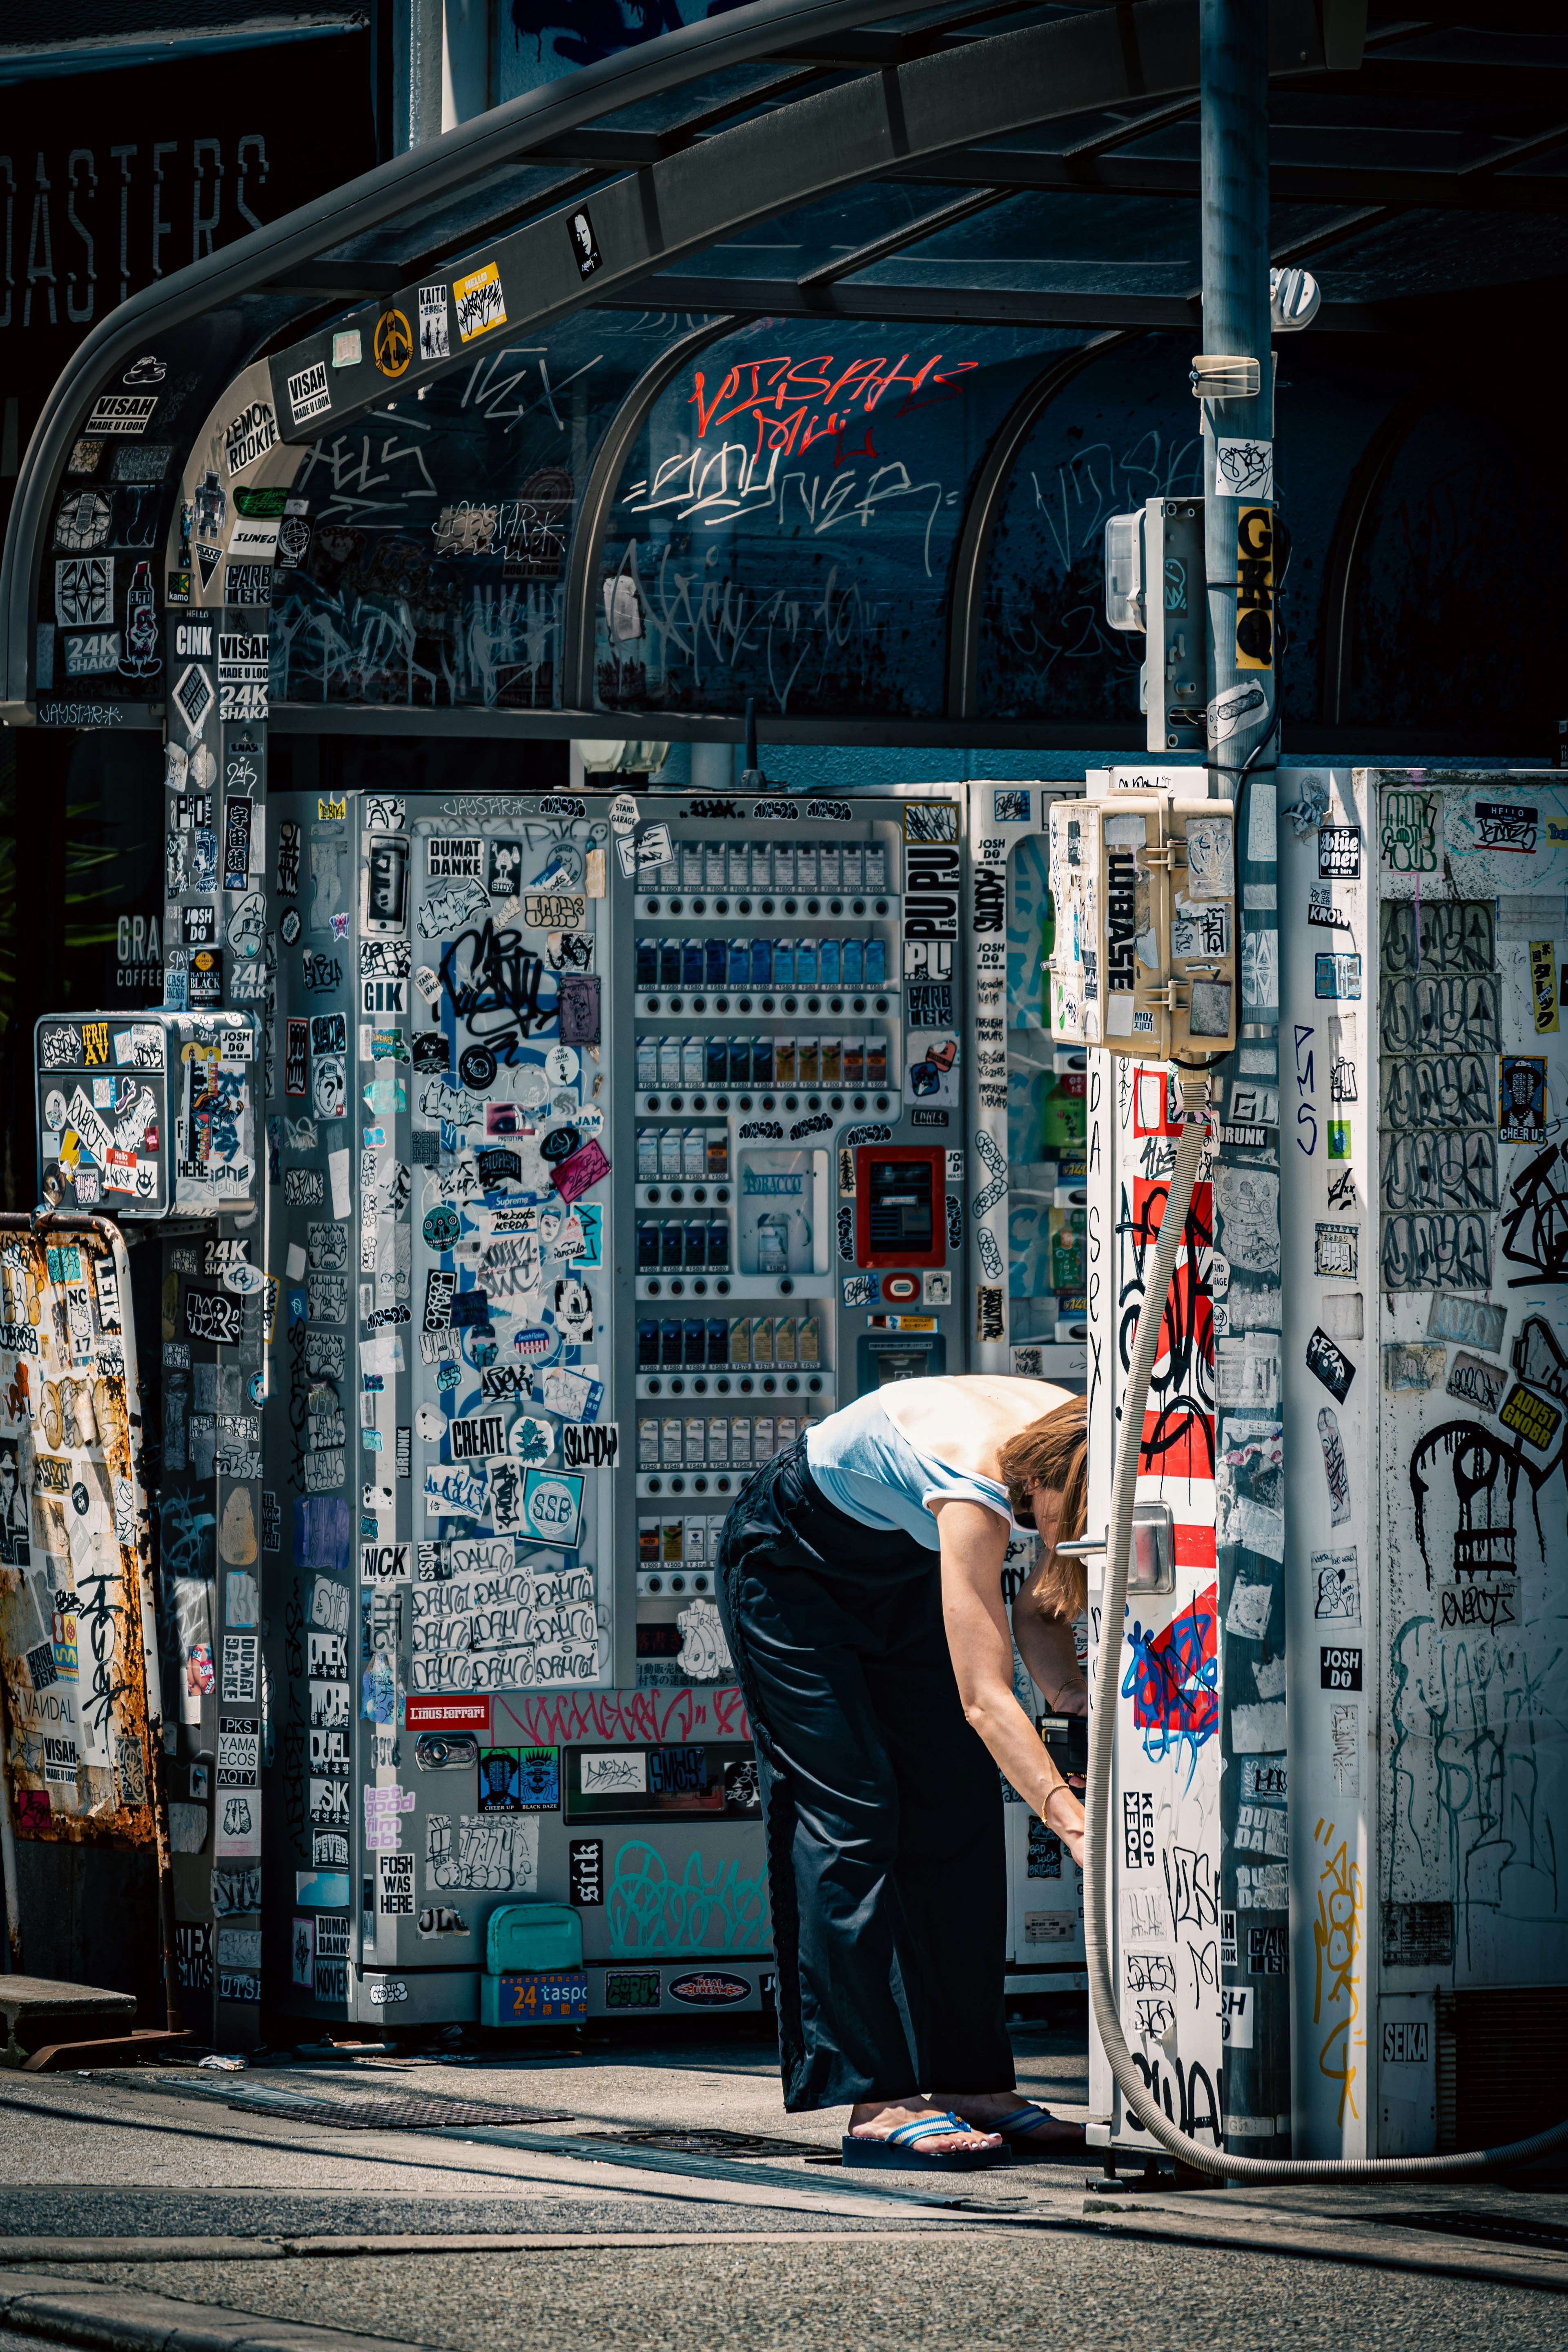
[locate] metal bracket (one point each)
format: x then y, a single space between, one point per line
1152 1565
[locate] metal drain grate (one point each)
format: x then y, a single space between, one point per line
399 2111
734 2144
1499 2227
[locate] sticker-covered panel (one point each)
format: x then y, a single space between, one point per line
1472 1201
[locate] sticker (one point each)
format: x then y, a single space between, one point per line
1236 707
84 591
1339 853
573 1176
1544 985
192 698
435 342
590 1445
1337 1251
1522 1098
480 303
1531 1417
1330 1365
1339 1670
310 395
1508 825
1337 976
653 847
249 436
1468 1322
1476 1383
577 1005
1336 1586
553 1507
1538 1359
118 412
710 1988
393 344
447 1714
585 245
1411 837
1321 911
931 821
1244 468
1407 1366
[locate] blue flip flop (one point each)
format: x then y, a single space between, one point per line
1016 2130
900 2150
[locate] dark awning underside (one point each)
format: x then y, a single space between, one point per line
884 316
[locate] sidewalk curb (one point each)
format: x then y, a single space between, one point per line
365 2244
1438 2258
125 2319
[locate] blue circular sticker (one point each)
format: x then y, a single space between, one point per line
442 1227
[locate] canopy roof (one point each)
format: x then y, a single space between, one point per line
803 351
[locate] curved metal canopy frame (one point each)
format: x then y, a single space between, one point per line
847 104
409 184
884 101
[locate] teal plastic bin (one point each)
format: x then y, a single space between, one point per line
533 1966
536 1936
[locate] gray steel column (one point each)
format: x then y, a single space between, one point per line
417 49
1234 66
1254 1893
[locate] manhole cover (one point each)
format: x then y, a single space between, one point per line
399 2111
707 2142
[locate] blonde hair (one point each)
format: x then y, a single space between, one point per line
1053 1453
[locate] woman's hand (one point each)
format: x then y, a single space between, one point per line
1063 1815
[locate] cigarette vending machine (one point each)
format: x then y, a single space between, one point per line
614 1140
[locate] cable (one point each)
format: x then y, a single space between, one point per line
1102 1734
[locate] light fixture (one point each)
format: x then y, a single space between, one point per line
1224 375
1124 571
1293 299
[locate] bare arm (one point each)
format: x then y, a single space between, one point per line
974 1543
1046 1645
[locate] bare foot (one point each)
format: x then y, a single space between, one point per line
876 2118
985 2109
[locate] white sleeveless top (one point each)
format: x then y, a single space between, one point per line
868 1469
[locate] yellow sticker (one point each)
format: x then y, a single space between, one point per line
1255 588
394 343
478 302
329 808
1544 985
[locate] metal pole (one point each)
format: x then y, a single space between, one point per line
1234 66
1242 688
8 1849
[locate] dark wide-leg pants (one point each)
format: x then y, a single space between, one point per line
882 1809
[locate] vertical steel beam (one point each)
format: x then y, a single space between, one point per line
992 480
579 603
1254 1900
1232 37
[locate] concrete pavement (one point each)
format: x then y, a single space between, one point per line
166 2206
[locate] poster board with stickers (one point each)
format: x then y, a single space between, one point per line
76 1650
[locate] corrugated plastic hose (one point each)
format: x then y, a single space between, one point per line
1102 1734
